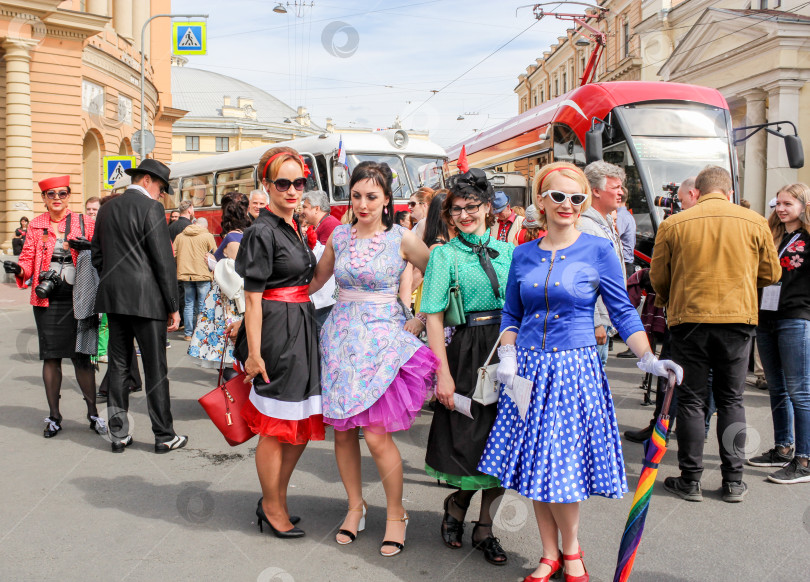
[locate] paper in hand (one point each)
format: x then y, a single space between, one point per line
462 405
521 394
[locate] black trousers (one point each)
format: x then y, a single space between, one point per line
132 376
151 336
722 349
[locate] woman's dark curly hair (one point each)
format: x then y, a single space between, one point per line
471 185
234 212
383 177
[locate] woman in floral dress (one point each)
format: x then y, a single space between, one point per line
374 374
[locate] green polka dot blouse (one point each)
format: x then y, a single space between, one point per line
476 290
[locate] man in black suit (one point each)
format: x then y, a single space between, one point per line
138 291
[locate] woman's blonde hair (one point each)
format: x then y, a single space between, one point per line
565 169
800 192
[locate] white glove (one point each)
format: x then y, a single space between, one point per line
507 369
652 365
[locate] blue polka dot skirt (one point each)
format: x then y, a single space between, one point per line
568 448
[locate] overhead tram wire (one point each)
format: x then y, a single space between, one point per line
508 42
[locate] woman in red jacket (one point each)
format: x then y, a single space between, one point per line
48 258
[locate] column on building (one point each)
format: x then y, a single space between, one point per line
783 105
756 155
122 18
140 14
97 7
19 171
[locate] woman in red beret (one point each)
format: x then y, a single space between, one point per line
48 259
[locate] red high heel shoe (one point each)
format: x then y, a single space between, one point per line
578 556
556 569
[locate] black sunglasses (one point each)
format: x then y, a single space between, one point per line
283 184
52 194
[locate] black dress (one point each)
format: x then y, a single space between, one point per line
272 255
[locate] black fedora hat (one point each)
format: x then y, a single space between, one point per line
155 169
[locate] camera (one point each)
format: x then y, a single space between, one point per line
48 281
669 202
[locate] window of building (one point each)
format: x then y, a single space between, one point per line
763 4
92 97
556 87
535 97
542 96
565 82
125 109
626 37
222 144
192 143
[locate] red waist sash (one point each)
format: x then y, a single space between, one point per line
298 294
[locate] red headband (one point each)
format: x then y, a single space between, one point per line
307 172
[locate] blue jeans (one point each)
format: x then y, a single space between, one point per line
784 347
195 292
603 349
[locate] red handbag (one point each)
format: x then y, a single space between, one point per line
224 405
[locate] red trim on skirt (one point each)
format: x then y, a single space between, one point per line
294 432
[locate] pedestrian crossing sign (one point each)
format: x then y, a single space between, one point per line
114 169
188 38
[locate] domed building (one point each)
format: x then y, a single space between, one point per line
226 114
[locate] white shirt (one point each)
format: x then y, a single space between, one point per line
324 297
142 190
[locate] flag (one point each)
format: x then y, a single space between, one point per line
463 165
341 155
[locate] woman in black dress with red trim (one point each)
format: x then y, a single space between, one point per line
278 345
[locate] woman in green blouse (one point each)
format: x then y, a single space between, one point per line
480 264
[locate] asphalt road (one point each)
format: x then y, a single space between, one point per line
72 510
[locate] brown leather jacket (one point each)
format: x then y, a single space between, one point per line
709 261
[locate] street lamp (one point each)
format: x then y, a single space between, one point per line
280 9
143 58
582 42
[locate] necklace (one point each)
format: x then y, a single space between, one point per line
360 258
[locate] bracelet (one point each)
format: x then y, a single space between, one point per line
422 317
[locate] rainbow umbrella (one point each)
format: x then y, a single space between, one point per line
655 448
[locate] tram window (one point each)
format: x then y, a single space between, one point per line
567 147
312 180
425 171
401 186
240 179
320 162
616 152
199 189
169 201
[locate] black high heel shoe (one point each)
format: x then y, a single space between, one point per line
452 528
294 519
52 427
290 533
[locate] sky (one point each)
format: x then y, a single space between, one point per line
365 63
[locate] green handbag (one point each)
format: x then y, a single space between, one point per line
454 314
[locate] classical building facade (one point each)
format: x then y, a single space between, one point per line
70 94
562 66
757 57
227 114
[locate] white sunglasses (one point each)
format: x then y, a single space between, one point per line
559 197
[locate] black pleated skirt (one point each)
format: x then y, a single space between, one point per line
455 442
56 325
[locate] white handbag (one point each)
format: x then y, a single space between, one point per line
487 387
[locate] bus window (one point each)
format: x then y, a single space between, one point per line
425 171
199 189
567 147
238 180
401 185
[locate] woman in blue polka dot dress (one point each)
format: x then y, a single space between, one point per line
568 446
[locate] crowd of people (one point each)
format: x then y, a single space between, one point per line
356 324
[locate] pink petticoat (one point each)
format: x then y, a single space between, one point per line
402 401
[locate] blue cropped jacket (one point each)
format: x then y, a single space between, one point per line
552 301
